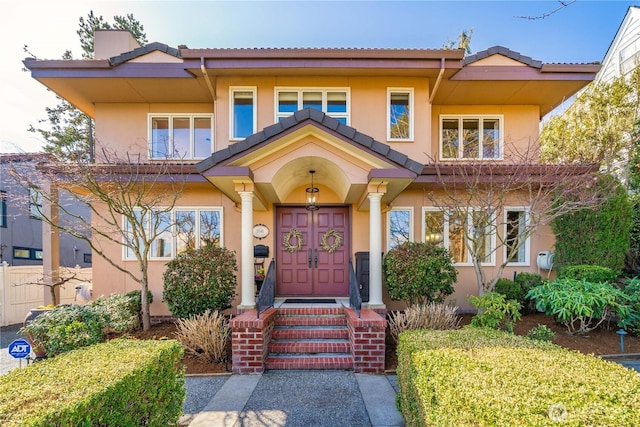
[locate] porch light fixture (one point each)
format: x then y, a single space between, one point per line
312 196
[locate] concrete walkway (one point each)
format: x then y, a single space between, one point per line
297 398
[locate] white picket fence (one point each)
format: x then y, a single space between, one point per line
18 296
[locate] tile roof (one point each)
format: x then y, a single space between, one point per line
321 120
143 50
504 52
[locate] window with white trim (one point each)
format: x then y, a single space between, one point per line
399 226
470 137
243 112
400 114
516 243
180 136
334 102
178 230
448 230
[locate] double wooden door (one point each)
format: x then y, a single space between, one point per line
312 255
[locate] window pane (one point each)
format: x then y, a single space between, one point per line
242 114
37 254
287 102
342 120
202 137
209 228
471 138
161 246
399 116
434 227
457 247
399 227
181 137
450 138
3 209
491 139
35 203
312 100
185 231
516 252
481 235
336 102
21 253
159 137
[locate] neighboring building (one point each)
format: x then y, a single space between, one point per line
21 240
254 123
623 54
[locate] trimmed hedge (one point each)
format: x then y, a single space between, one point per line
118 383
484 377
589 273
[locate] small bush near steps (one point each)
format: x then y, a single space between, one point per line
198 280
483 377
423 316
204 336
495 311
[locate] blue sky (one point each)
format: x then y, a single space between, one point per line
581 32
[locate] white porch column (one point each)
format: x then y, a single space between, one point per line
247 292
375 249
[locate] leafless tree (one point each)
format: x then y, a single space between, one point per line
57 279
473 196
130 203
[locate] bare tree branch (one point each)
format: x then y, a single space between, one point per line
563 4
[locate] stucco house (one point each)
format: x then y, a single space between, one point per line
357 129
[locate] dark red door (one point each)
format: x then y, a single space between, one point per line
312 251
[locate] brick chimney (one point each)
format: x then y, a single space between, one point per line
109 43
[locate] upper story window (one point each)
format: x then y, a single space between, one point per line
471 137
333 101
629 57
243 117
181 136
35 203
400 114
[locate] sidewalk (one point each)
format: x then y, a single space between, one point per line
293 398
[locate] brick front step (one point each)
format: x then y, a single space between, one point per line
311 320
328 361
309 347
308 332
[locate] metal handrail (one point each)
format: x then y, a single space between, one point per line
267 294
355 300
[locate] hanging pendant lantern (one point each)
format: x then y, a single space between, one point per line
312 198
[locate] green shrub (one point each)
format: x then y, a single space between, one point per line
419 273
495 311
118 312
589 273
632 259
632 291
527 281
429 316
65 328
116 383
580 305
597 236
480 377
510 289
199 280
541 333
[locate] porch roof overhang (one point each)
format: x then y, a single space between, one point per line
277 160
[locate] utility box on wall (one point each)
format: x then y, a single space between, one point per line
545 260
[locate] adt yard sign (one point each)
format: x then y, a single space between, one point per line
19 349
